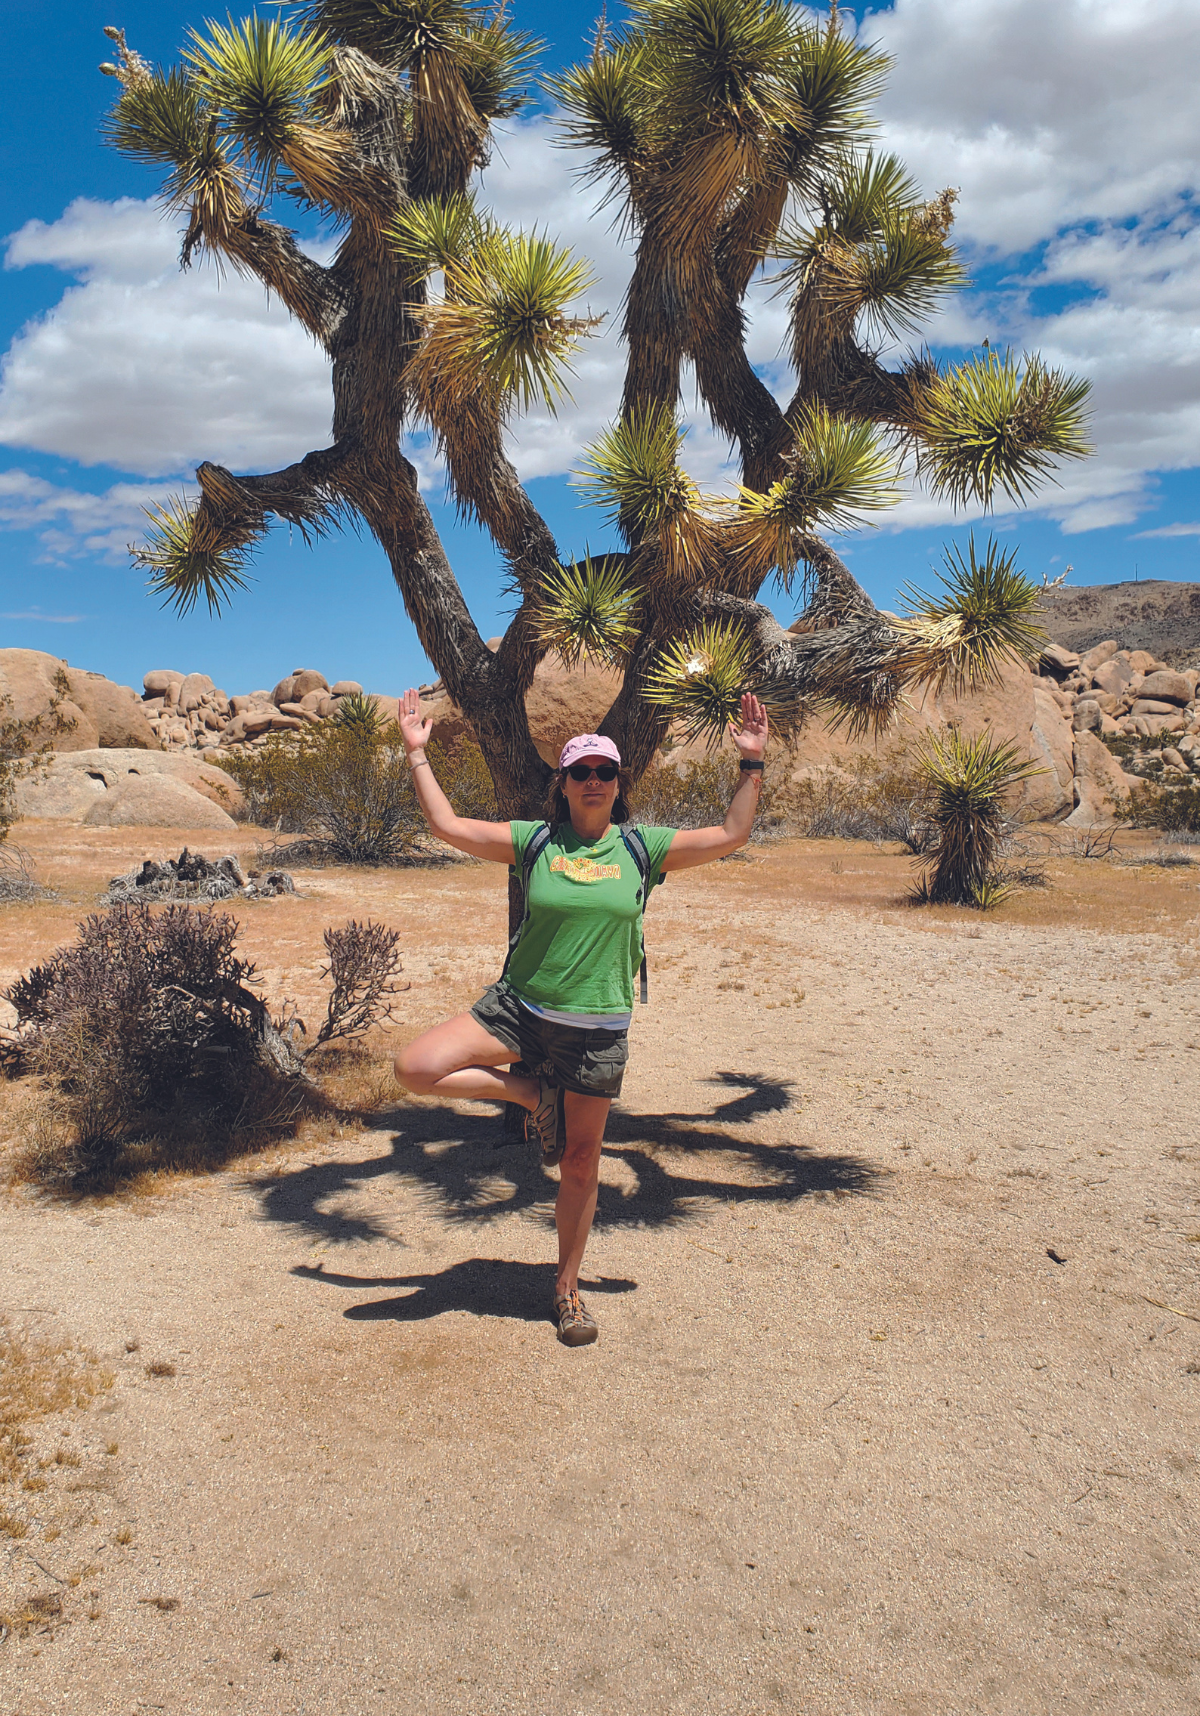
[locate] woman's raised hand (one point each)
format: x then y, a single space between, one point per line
414 731
751 737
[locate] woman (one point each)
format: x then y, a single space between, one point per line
563 1001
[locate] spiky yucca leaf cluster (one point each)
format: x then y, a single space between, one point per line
185 562
360 715
264 79
879 255
983 619
438 233
967 780
501 333
588 608
841 471
694 108
991 426
491 59
700 679
633 471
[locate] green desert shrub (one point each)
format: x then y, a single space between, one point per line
345 787
868 798
24 744
697 794
1176 809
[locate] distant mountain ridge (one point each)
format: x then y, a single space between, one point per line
1153 614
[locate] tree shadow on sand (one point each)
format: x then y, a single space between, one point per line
673 1167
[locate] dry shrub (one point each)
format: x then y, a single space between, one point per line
344 785
696 794
1176 810
153 1049
864 798
363 966
17 878
463 776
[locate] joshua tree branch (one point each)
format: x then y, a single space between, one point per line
486 484
269 251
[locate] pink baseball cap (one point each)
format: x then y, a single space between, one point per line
588 745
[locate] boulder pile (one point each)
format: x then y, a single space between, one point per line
1128 694
187 712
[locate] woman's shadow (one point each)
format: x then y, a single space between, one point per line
484 1286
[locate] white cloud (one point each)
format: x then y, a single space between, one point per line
1071 129
151 370
1044 116
1170 530
71 523
47 619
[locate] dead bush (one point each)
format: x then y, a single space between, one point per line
363 965
152 1046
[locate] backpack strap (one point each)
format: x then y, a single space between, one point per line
534 847
635 843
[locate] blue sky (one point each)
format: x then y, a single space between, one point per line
1071 132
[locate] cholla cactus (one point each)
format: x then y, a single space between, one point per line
731 135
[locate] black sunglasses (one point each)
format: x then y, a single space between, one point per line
603 771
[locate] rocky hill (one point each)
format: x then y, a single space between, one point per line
148 760
1155 615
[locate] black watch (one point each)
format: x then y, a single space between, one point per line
749 767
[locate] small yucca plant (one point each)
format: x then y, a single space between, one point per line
360 715
966 780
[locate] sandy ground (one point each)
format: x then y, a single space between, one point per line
852 1440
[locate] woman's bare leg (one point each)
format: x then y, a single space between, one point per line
579 1182
460 1058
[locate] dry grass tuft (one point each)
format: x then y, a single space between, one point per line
164 1605
160 1367
39 1377
36 1614
124 1536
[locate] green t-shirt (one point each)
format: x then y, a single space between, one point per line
582 942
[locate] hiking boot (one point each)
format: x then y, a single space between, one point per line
544 1125
576 1325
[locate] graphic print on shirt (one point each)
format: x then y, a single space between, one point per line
584 869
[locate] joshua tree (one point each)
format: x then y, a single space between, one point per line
729 135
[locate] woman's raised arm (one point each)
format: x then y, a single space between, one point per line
692 846
490 840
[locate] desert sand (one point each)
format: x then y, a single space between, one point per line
895 1404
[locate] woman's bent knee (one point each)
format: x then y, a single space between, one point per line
415 1073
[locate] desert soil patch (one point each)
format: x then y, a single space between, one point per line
895 1401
